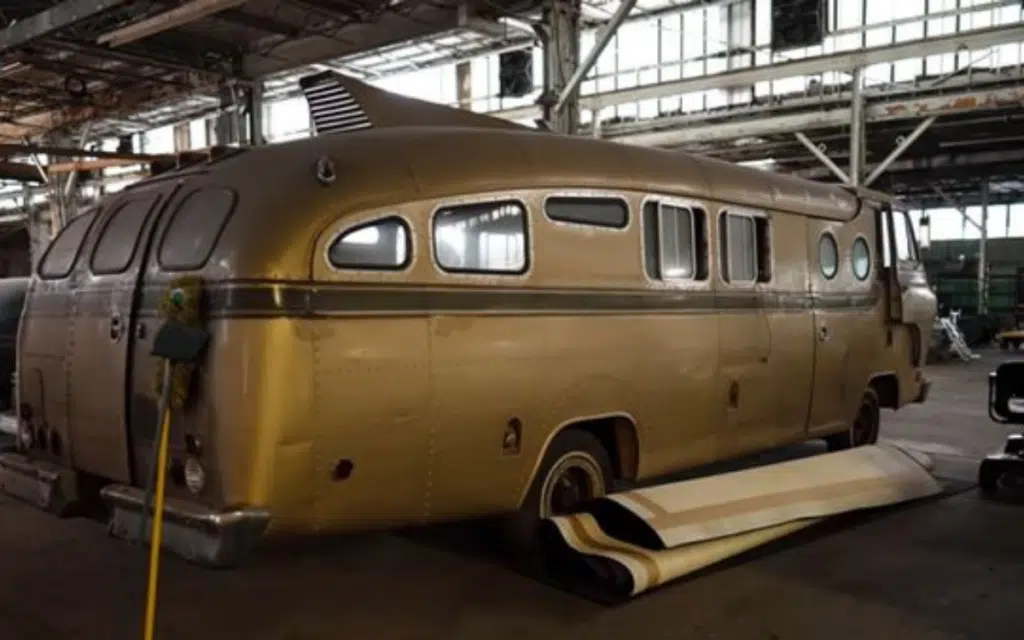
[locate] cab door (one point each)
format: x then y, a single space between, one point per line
829 396
104 309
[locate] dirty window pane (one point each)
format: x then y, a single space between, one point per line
487 237
379 245
906 249
741 248
828 256
195 228
598 212
676 242
60 257
861 259
120 237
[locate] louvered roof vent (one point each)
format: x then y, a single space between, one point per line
332 108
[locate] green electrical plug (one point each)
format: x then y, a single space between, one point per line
178 297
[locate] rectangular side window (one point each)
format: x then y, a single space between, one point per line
592 211
675 242
484 237
745 245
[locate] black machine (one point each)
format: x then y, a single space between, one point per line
1003 472
12 299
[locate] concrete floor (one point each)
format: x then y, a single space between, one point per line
947 568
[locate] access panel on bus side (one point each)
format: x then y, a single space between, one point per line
107 278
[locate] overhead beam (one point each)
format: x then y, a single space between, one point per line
689 130
953 164
52 20
955 205
103 104
71 152
900 148
422 20
845 61
179 16
824 159
20 171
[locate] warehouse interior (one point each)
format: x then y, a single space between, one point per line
920 99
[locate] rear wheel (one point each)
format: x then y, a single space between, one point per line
864 428
575 470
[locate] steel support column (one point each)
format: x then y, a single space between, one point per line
603 37
824 159
857 137
900 148
561 54
464 85
228 125
254 106
983 253
69 196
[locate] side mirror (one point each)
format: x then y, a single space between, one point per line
1006 393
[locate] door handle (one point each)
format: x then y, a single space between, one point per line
116 327
823 334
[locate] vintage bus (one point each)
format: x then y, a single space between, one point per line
414 324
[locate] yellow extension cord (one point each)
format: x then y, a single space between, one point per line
158 520
180 303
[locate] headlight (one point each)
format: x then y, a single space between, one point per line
195 476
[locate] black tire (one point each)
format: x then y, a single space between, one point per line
571 452
988 479
864 428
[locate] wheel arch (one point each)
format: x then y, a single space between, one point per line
618 434
887 386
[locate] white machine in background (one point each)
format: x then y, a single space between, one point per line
948 341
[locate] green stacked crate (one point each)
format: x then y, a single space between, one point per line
1002 294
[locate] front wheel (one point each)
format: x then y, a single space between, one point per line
864 428
575 470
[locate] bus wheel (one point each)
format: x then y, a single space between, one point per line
864 428
575 470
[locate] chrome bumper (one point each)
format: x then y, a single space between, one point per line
46 485
216 538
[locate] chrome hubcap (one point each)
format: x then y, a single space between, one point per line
573 480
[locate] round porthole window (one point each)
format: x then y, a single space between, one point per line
828 256
861 259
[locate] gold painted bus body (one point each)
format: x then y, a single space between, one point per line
410 379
